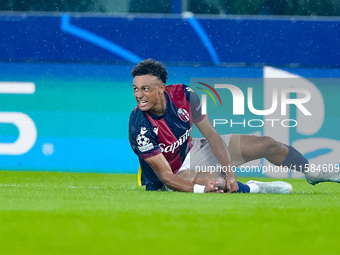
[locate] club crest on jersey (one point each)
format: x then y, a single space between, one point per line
183 114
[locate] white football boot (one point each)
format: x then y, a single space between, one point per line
277 187
317 176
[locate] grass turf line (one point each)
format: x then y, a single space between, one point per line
73 213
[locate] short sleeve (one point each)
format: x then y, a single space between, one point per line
143 139
195 105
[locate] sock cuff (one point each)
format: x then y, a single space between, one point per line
243 188
253 188
295 160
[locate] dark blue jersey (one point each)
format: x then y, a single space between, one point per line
150 135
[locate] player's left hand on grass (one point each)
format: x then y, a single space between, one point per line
212 187
232 185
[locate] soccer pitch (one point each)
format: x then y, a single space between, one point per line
74 213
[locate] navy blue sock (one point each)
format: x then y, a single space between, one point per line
243 188
295 160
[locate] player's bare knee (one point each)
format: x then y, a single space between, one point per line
270 145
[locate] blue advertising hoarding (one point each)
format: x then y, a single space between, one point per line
75 116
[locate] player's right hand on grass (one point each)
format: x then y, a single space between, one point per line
232 185
212 187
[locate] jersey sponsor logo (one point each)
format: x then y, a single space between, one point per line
143 142
155 129
143 130
172 147
183 114
198 108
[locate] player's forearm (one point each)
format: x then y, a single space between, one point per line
217 145
164 173
176 183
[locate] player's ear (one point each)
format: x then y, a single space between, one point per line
162 88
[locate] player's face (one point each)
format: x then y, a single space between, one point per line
149 93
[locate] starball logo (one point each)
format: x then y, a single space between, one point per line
281 100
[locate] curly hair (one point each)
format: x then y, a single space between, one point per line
151 67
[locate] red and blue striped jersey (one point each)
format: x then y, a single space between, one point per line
150 135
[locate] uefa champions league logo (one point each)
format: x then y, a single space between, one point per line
144 143
142 140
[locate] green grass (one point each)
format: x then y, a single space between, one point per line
73 213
